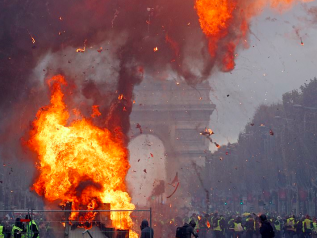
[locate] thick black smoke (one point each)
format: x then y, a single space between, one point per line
56 25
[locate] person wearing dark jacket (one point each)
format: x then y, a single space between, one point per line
190 229
146 231
250 227
266 229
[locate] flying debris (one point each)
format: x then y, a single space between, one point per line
175 180
82 50
138 126
301 41
207 132
271 133
173 191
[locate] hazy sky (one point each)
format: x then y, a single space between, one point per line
275 63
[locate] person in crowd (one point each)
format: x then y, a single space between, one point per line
290 229
307 227
32 230
238 228
219 226
266 228
277 222
190 229
314 233
299 228
249 226
257 227
18 230
146 231
203 224
230 227
2 232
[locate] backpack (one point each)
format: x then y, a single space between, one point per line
181 232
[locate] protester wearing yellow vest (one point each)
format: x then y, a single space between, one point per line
290 227
32 230
238 229
1 232
277 227
18 229
307 227
219 228
314 227
230 227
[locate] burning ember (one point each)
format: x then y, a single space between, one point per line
79 162
155 49
208 224
82 50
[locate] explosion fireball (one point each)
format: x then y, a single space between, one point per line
226 24
78 161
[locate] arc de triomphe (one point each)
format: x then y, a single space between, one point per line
166 122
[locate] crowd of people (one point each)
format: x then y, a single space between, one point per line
17 227
246 226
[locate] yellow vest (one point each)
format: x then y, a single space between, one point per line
308 224
29 233
238 227
218 228
17 228
291 223
1 232
278 226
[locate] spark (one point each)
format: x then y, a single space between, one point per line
32 38
79 50
155 49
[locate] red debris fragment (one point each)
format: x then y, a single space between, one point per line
151 155
174 191
144 171
271 133
139 127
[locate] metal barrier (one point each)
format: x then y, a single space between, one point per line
71 224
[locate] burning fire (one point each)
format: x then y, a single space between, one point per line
155 49
208 224
226 24
95 111
79 162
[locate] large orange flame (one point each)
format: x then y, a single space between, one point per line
79 162
226 24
